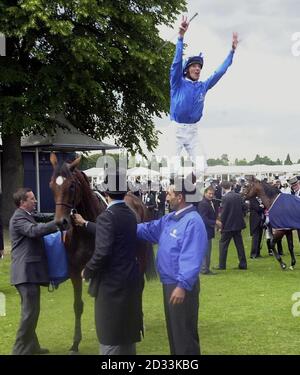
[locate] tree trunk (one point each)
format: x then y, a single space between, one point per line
12 173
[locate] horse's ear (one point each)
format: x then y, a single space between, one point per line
74 163
53 160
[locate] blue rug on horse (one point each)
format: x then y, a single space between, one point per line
57 258
285 212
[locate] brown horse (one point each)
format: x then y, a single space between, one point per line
269 195
72 191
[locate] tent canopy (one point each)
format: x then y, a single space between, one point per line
142 171
94 172
64 139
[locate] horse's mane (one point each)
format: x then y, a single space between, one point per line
270 191
92 207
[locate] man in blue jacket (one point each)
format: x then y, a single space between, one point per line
182 241
188 94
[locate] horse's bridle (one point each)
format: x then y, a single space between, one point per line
68 205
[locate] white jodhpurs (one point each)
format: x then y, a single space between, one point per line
187 138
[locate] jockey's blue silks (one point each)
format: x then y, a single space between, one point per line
187 102
187 96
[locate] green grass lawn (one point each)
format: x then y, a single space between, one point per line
241 312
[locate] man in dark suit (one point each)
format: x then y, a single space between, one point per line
232 219
150 202
161 202
208 213
29 268
256 220
218 195
114 276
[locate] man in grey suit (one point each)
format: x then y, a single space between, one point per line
28 268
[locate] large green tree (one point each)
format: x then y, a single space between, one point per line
262 160
240 162
95 61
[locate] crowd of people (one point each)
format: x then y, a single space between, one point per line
231 215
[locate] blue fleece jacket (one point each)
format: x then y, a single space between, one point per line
187 97
182 243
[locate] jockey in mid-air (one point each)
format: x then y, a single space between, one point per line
188 94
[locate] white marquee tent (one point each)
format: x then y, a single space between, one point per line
143 172
218 171
258 170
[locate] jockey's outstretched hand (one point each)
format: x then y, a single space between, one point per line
183 26
235 40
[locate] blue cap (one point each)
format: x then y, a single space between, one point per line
192 60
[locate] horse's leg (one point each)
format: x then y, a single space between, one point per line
78 310
274 238
289 237
270 252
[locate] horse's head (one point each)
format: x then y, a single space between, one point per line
251 188
65 187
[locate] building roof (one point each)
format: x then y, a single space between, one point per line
65 139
